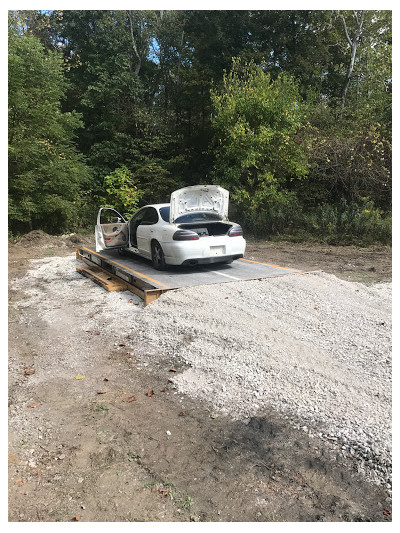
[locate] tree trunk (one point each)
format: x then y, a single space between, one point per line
139 59
353 49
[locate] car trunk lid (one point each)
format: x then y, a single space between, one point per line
199 199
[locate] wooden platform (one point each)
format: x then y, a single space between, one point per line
110 277
133 273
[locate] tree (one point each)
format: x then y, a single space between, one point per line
255 120
115 85
39 23
297 42
45 171
141 80
353 42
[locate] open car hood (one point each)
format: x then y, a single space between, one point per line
199 199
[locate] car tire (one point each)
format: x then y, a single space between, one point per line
122 252
157 256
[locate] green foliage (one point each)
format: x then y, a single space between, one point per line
134 88
358 224
275 218
121 192
255 120
351 224
156 183
348 161
45 171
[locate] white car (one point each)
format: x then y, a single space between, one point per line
193 229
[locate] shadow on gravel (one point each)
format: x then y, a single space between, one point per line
307 476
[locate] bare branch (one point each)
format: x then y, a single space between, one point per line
361 19
345 30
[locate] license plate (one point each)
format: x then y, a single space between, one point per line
217 250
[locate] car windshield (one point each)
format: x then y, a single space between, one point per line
190 217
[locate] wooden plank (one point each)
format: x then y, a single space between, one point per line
102 278
151 295
106 279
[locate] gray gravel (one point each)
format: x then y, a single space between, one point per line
313 347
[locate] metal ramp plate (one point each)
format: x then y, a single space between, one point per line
149 283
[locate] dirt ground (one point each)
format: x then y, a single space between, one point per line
364 265
77 455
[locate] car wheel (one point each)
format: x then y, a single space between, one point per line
157 256
122 252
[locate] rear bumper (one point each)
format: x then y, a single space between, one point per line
208 260
204 250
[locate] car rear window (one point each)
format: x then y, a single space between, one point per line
190 217
198 217
164 212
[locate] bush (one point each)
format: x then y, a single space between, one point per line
122 192
360 224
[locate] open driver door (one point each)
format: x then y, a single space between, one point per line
112 230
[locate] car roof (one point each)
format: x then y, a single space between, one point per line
154 205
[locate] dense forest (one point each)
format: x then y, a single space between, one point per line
289 110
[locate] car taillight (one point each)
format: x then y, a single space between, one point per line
185 235
236 231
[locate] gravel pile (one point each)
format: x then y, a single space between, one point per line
313 347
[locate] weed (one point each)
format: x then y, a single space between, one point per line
168 484
103 408
13 238
169 492
150 485
185 502
134 457
167 488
